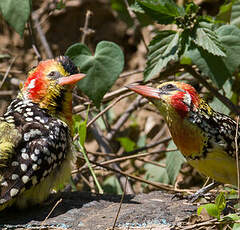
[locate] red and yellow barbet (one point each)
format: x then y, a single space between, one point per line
36 135
206 138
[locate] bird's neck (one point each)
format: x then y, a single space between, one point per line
57 104
188 137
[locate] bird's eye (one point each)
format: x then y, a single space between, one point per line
170 86
54 75
51 74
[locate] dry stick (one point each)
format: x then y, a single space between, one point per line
135 21
222 98
157 185
119 159
130 155
120 205
86 31
125 158
108 107
57 203
7 72
32 35
132 107
148 146
236 146
42 36
105 147
127 74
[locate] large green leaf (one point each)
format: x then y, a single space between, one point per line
16 13
174 162
207 38
235 16
229 36
162 49
102 69
163 11
218 68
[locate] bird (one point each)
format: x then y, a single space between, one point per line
206 138
36 150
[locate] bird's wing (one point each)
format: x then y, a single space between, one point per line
9 139
36 157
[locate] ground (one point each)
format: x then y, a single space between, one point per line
80 210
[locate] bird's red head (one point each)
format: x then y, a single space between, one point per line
170 97
49 78
50 86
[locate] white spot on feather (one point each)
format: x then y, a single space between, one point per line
187 99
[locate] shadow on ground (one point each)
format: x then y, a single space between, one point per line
81 210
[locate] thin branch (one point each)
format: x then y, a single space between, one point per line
41 35
86 31
124 117
155 184
120 205
7 72
57 203
32 35
127 74
108 107
136 22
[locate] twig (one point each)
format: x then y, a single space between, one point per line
223 99
236 146
126 158
108 107
57 203
120 205
131 73
147 146
135 104
7 72
86 31
32 35
135 21
42 36
119 159
105 147
155 184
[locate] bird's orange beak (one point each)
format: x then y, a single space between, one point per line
71 80
145 91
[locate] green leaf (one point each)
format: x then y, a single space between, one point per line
224 13
127 143
162 49
207 63
16 13
112 186
163 11
174 162
220 201
82 129
216 104
208 39
235 16
102 69
156 173
211 209
229 37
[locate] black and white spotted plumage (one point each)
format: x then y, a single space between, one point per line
42 143
219 130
